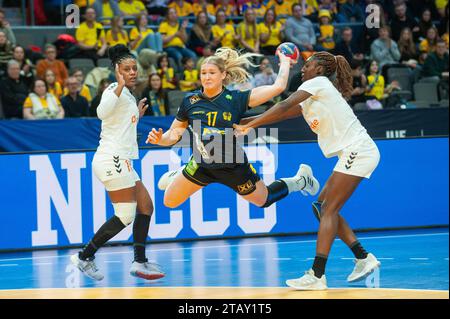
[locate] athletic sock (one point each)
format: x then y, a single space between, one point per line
358 250
140 232
318 267
111 228
294 184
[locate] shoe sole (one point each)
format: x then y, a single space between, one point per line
305 289
145 276
366 273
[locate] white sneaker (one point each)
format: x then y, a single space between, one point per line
363 267
167 178
311 184
87 267
147 270
308 282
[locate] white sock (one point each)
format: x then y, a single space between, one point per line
295 183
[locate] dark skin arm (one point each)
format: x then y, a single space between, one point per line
291 114
281 111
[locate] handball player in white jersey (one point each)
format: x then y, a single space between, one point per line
113 166
327 83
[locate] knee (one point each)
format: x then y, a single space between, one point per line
328 209
145 208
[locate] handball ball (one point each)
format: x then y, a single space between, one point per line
290 50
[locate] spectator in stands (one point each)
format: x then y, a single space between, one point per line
183 8
347 47
442 6
142 37
271 33
229 8
443 23
436 64
428 44
167 73
106 10
83 89
104 83
201 34
53 86
204 6
401 21
384 50
299 30
132 8
5 27
351 11
156 97
283 8
207 51
407 48
73 103
157 7
419 6
311 9
117 35
27 69
376 87
50 63
90 36
6 52
425 23
326 38
331 6
359 83
14 91
266 75
247 31
224 32
174 37
190 79
40 104
257 6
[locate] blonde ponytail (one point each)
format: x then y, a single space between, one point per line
233 63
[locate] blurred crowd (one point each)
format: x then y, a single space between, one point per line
171 39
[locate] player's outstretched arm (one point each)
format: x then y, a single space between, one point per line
262 94
281 111
170 137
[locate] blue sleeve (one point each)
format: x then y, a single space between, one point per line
182 115
242 98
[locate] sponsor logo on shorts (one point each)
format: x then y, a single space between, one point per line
350 160
314 124
246 188
109 173
191 167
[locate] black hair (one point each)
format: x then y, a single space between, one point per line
118 53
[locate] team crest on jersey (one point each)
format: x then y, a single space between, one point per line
227 116
228 97
194 99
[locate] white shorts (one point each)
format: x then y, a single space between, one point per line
115 173
358 159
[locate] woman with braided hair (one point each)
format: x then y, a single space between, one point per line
322 99
214 109
113 166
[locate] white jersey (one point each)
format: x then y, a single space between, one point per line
119 116
330 117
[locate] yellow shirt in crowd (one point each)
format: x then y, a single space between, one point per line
166 29
327 32
228 39
274 34
121 38
281 9
183 11
209 9
250 36
88 36
85 92
190 77
133 8
378 88
228 10
108 13
425 46
135 33
56 91
169 75
28 104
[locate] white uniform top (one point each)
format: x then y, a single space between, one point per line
119 116
330 117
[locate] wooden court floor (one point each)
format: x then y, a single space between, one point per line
219 293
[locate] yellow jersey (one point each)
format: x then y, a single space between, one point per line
378 87
209 9
28 104
122 38
134 33
327 32
166 29
229 10
227 40
183 11
167 78
189 79
85 92
250 36
90 36
281 9
133 8
274 34
57 90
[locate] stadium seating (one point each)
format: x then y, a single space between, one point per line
360 106
402 75
174 98
104 62
424 91
85 65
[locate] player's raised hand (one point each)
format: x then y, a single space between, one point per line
154 136
284 59
240 130
142 106
119 77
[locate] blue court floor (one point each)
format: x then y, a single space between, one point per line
415 259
